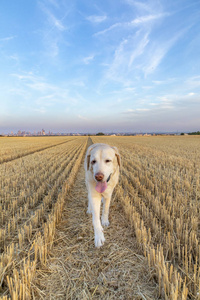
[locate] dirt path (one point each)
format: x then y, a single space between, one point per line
77 270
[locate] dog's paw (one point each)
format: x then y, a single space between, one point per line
104 221
99 239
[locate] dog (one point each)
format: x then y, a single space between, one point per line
102 163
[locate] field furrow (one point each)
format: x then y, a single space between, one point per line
14 148
76 269
32 211
152 248
24 185
160 193
30 230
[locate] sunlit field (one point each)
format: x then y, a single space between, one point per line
158 189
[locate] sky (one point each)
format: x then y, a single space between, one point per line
91 66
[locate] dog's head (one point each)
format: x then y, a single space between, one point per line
102 160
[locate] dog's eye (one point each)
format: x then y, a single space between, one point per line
93 162
108 160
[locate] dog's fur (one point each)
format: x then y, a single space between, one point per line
105 160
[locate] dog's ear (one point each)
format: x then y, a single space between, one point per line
87 159
88 162
118 159
117 155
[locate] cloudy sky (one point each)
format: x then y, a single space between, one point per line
89 66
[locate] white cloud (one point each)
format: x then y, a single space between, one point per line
136 110
88 59
142 109
54 26
137 53
193 82
56 23
40 110
116 25
140 21
139 49
83 118
27 76
7 38
96 19
154 59
147 18
153 103
142 6
34 82
43 93
158 50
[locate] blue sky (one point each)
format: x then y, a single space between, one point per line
89 66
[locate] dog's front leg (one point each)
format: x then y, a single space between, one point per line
89 210
105 212
95 202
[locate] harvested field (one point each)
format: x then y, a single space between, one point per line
15 147
152 248
77 270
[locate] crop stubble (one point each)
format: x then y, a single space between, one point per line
158 189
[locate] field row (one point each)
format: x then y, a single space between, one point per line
33 190
15 147
159 189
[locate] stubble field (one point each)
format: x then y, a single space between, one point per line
152 248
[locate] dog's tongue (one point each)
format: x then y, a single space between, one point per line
101 186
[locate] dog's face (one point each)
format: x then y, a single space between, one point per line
102 161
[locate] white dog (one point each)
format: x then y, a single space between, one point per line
102 164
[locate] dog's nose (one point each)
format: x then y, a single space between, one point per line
99 176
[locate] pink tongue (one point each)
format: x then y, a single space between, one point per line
101 187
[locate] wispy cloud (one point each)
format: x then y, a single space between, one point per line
137 110
158 50
139 59
54 22
88 59
138 54
114 26
165 106
137 22
8 38
40 110
83 118
148 18
54 26
97 19
32 81
193 82
44 93
139 49
145 6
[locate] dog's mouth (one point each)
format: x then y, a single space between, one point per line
101 186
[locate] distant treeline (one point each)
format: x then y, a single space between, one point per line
194 133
